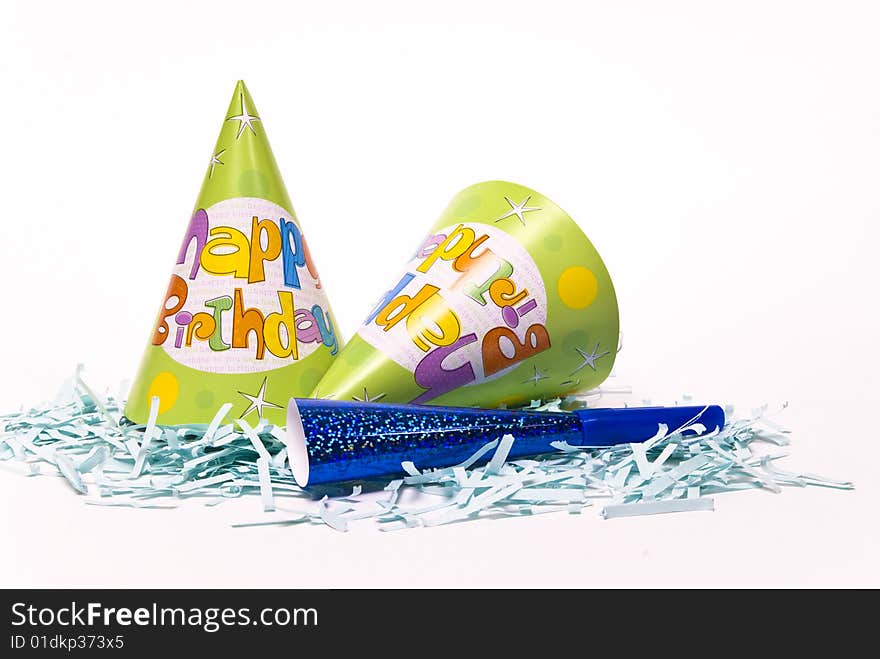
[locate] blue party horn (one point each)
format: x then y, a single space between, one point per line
330 441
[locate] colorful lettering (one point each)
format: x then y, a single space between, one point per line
430 374
259 254
453 246
430 245
494 359
503 292
273 325
292 254
433 324
245 322
325 325
310 264
257 247
183 319
307 330
202 326
227 253
219 305
403 305
389 295
478 291
197 230
466 260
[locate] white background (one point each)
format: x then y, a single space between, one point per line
723 157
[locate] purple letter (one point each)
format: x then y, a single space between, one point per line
198 231
437 380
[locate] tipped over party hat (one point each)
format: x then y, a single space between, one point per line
245 319
505 301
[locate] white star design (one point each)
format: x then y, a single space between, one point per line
589 359
518 209
368 398
215 160
259 401
245 120
536 378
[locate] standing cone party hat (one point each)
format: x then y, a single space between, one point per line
504 302
245 319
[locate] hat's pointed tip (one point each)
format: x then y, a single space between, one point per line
240 90
241 102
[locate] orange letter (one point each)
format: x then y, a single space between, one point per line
503 292
495 360
466 260
245 321
177 291
258 254
310 265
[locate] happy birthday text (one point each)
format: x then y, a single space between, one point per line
226 251
485 278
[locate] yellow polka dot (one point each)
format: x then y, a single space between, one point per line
577 287
166 388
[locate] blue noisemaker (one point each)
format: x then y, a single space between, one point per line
330 441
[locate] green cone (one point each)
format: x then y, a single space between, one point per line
243 286
505 301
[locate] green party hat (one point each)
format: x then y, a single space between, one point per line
504 302
245 319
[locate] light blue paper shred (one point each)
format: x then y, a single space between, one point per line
265 485
82 437
171 438
483 450
500 457
143 450
71 475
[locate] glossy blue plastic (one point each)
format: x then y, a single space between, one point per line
356 441
606 427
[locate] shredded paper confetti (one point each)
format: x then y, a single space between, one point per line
83 438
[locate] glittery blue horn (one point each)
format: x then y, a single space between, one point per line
330 441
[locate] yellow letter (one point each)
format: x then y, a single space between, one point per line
422 325
272 328
402 306
456 243
258 254
226 262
